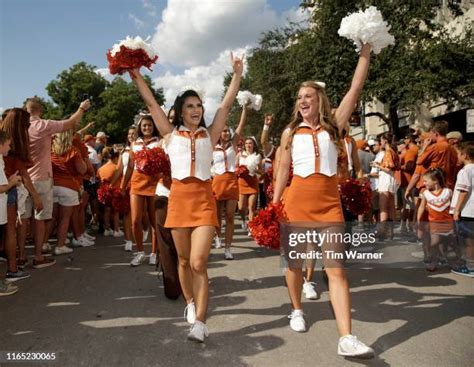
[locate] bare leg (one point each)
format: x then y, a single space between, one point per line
137 219
182 241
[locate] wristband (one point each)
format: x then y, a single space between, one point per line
266 127
82 108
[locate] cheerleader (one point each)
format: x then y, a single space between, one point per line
248 183
224 183
142 188
123 167
192 211
312 142
387 186
269 153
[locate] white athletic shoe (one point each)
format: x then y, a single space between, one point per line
118 233
128 246
217 242
190 313
198 332
228 254
138 259
63 250
108 232
309 291
297 322
88 236
350 346
152 260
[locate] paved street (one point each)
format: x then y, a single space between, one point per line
95 310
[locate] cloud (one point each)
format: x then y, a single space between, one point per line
149 7
138 22
105 73
194 32
209 78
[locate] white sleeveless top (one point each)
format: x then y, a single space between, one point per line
139 144
313 151
223 160
190 153
251 161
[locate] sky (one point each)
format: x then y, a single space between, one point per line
193 38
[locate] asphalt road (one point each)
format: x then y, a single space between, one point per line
93 309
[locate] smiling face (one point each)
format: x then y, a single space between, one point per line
249 146
146 127
192 112
308 104
131 136
225 134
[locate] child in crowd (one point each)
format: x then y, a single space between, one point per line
6 288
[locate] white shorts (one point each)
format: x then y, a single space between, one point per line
45 191
65 197
387 183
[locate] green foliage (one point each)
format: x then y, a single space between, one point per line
426 63
114 104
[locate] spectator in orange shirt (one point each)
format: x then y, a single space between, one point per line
107 174
407 168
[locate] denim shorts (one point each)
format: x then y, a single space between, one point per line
12 196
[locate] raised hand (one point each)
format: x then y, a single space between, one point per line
237 64
268 119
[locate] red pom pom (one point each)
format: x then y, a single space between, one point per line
121 203
242 171
105 193
265 227
356 196
152 162
127 59
269 191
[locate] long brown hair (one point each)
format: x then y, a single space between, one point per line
15 125
326 118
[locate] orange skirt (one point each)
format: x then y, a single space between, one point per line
314 199
144 185
248 185
225 186
191 204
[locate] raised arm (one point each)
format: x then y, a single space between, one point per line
76 117
223 111
85 128
240 128
265 132
159 117
348 103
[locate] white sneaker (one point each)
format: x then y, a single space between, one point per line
118 233
309 291
217 242
81 242
350 346
63 250
297 322
198 332
128 246
152 260
190 313
67 241
145 235
46 247
228 254
138 259
86 242
108 232
70 235
244 226
88 236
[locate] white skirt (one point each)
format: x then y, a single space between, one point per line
387 182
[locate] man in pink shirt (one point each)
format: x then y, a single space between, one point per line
41 172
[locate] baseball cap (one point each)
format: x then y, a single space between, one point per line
101 134
371 142
454 135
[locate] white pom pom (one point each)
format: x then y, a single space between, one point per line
134 44
256 102
243 97
367 27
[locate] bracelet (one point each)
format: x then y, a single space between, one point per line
82 108
266 127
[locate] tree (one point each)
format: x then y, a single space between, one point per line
114 104
120 103
426 63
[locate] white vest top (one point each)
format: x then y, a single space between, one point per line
190 153
313 151
251 161
223 160
139 144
